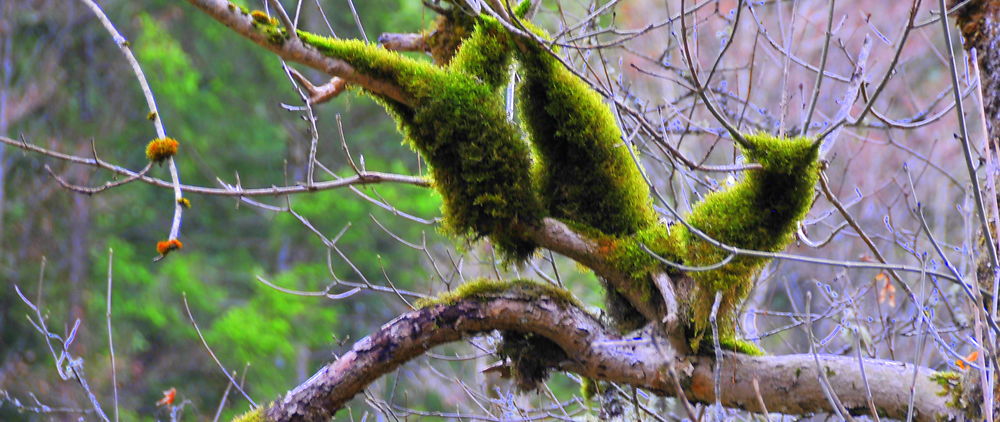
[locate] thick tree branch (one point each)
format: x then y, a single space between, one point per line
788 384
558 237
294 50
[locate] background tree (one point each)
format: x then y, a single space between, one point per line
877 272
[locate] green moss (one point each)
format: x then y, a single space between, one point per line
255 415
485 288
459 125
589 388
951 387
585 172
759 213
487 54
740 346
628 256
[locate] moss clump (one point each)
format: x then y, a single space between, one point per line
485 288
759 213
585 172
951 387
487 54
459 125
255 415
532 357
629 257
740 346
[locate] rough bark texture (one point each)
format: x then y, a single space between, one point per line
789 384
979 23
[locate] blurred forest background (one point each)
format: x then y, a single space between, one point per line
65 86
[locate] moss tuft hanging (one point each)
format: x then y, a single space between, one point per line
457 122
585 171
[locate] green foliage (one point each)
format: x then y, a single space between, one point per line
585 172
478 163
759 213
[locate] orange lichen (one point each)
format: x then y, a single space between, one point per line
161 149
261 17
168 397
165 246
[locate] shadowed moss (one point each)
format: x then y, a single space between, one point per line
458 124
585 172
486 288
759 213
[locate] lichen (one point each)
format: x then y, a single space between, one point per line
161 148
164 247
759 213
458 124
951 387
485 288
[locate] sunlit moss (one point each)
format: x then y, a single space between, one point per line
585 172
457 122
486 288
759 213
255 415
741 346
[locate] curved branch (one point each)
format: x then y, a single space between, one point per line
294 50
787 384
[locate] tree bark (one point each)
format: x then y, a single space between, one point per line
788 384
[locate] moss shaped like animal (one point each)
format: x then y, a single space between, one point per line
759 213
585 172
457 122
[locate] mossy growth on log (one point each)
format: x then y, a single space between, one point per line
486 288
